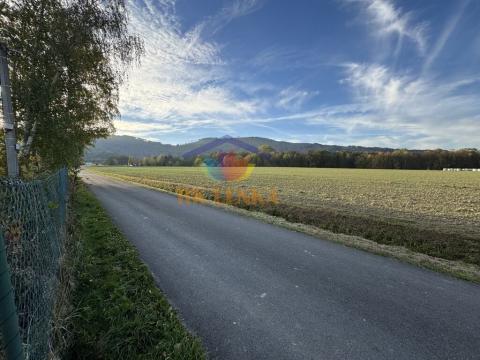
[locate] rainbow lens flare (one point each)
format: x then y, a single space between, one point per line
230 168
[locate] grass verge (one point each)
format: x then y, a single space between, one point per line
419 247
120 313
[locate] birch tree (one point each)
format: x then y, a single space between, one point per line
68 60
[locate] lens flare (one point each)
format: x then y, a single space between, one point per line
229 168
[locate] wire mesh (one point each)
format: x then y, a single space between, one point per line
32 220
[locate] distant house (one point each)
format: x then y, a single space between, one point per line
458 169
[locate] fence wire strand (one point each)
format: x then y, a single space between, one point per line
32 221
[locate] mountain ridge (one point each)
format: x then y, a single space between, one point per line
125 145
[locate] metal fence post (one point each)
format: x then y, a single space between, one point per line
8 116
8 312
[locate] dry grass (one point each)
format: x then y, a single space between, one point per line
448 198
431 212
64 311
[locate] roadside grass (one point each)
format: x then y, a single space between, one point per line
64 312
120 313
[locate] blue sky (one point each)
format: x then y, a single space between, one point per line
395 73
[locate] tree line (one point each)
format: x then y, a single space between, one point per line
398 159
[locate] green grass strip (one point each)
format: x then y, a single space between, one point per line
120 312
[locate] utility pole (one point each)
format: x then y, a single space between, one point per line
8 118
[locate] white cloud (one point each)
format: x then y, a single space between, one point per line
375 82
445 35
396 110
425 111
388 19
135 128
280 58
184 83
235 9
409 108
180 81
292 98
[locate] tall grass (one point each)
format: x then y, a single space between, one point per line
119 311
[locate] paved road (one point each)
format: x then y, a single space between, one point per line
251 290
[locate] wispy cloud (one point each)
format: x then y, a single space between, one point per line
235 9
279 58
186 84
387 19
142 129
409 107
182 77
395 110
445 35
426 110
292 98
374 84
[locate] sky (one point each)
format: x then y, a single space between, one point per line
393 73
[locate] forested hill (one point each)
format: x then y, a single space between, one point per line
139 148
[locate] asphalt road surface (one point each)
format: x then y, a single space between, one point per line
251 290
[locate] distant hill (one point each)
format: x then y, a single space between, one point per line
139 148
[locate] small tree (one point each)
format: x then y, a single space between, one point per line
264 148
198 161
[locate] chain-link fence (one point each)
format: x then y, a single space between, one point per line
32 222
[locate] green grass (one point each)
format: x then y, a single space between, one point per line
120 312
431 212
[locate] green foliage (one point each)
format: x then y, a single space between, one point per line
68 60
160 160
198 161
117 160
121 313
398 159
264 148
